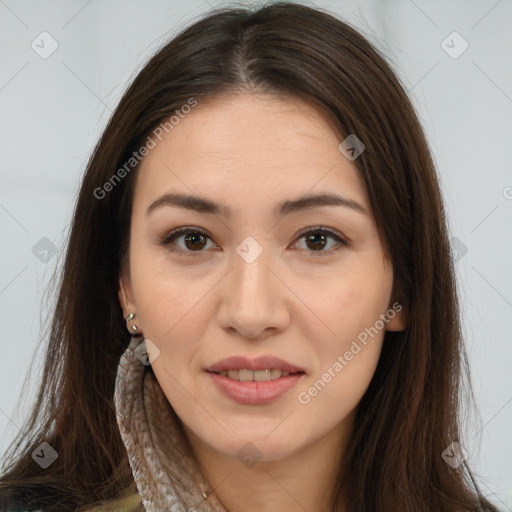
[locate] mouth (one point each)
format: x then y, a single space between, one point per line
246 375
255 387
259 369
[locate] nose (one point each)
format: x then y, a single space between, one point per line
254 300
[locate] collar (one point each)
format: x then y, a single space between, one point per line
163 466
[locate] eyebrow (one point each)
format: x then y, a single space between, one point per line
203 205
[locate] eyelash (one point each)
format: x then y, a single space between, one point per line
170 237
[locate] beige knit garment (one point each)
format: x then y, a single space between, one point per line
163 466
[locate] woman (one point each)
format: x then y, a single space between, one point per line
257 309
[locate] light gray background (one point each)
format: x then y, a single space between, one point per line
54 109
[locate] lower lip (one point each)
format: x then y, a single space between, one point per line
255 393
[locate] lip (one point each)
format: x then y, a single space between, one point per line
259 363
255 393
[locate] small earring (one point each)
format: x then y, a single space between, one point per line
130 317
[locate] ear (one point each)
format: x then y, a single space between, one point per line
397 317
124 292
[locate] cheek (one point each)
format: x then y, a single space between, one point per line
167 300
351 309
346 361
354 301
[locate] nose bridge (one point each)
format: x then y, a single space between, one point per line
252 301
250 273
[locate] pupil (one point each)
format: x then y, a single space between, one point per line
315 238
194 238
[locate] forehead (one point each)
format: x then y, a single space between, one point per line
249 144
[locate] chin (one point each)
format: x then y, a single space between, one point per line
256 448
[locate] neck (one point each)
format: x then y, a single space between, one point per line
305 480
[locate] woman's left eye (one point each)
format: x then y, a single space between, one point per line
317 239
195 240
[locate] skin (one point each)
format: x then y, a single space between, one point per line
205 302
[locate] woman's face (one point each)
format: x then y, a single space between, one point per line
245 279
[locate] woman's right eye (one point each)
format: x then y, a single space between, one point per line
193 240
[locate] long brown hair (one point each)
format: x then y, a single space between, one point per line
409 414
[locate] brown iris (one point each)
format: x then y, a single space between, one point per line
317 239
197 240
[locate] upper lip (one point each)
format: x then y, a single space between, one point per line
259 363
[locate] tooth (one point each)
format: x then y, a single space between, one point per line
245 375
262 375
275 373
